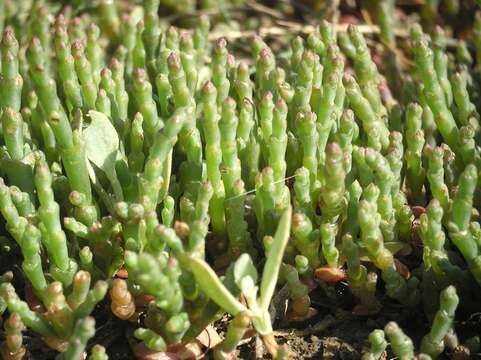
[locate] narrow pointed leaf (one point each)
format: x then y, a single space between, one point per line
211 285
274 259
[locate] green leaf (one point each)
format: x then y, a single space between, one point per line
101 140
245 277
211 285
244 267
274 259
392 246
101 147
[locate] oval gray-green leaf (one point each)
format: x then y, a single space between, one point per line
244 267
101 141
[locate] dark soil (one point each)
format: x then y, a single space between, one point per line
331 335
